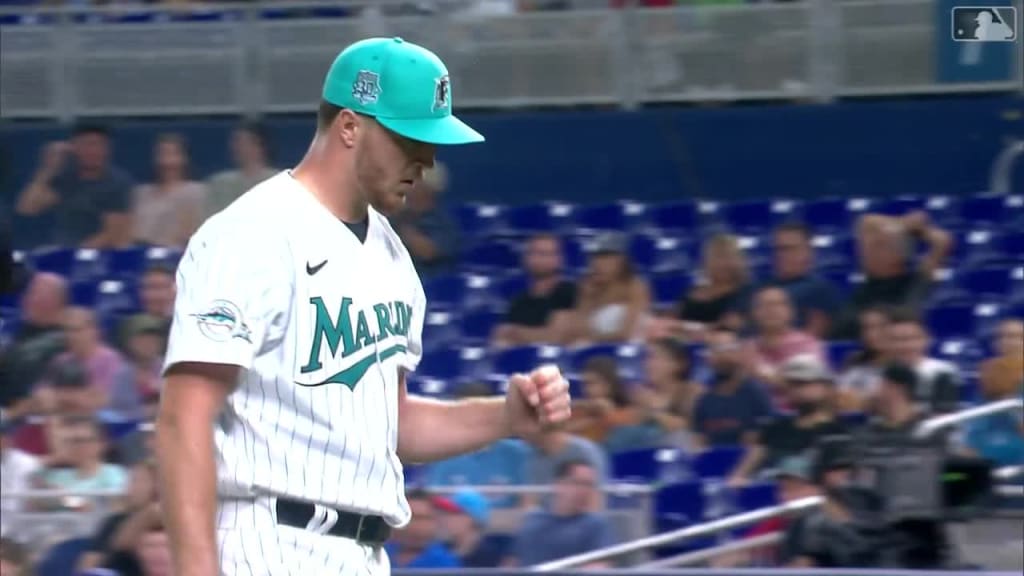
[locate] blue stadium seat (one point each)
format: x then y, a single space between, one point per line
835 215
549 217
756 496
444 292
480 220
659 254
943 210
992 282
839 351
992 209
1012 244
834 251
676 218
757 217
442 330
977 247
618 217
668 289
717 462
477 326
523 359
58 260
624 353
677 506
636 465
952 321
511 286
444 364
574 254
494 255
480 292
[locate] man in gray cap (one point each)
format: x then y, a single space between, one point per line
810 388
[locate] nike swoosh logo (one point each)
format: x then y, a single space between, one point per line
314 269
351 376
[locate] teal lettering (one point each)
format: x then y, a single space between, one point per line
384 327
363 336
335 333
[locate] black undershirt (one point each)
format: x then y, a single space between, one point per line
360 229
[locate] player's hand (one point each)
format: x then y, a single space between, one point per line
537 400
53 157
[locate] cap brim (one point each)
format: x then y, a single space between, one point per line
444 131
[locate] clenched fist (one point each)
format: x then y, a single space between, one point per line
537 400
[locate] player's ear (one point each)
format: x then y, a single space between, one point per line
347 126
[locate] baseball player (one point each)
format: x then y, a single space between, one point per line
285 420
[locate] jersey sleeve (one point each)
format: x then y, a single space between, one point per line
414 348
234 297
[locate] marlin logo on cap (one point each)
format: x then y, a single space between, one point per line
442 93
366 88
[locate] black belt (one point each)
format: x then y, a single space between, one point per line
371 530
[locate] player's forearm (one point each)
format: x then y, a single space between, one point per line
431 430
188 492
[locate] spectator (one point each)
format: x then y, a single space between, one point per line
612 299
776 341
426 228
24 362
730 412
167 211
66 394
90 198
1003 375
86 348
139 377
17 468
551 448
417 545
250 151
533 316
720 297
466 516
667 399
115 543
885 245
816 300
570 525
1000 437
81 466
136 447
938 381
897 409
14 559
862 370
501 463
810 387
606 406
157 291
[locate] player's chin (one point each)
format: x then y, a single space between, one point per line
392 203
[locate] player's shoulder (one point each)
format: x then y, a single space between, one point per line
252 213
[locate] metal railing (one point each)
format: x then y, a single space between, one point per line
243 62
937 423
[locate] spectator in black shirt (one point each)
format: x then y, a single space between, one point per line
38 341
816 300
534 316
886 246
114 544
810 387
90 198
938 381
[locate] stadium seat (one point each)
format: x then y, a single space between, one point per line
677 506
839 351
549 217
952 321
478 326
442 330
668 289
58 261
976 248
636 465
658 254
445 364
835 215
574 254
523 359
757 217
717 462
992 209
834 251
677 218
988 282
493 255
756 496
511 286
443 292
619 216
480 220
624 353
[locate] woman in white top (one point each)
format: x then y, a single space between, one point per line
167 210
613 301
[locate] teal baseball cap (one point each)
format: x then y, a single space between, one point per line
403 86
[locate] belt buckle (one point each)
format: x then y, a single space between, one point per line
359 528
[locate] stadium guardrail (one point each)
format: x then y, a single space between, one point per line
266 57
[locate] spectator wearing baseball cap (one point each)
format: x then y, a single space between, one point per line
466 517
810 387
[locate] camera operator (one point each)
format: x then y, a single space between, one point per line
904 472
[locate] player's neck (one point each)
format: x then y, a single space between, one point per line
331 184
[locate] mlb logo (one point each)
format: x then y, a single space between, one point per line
984 24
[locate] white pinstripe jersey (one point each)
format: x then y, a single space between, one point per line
322 324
